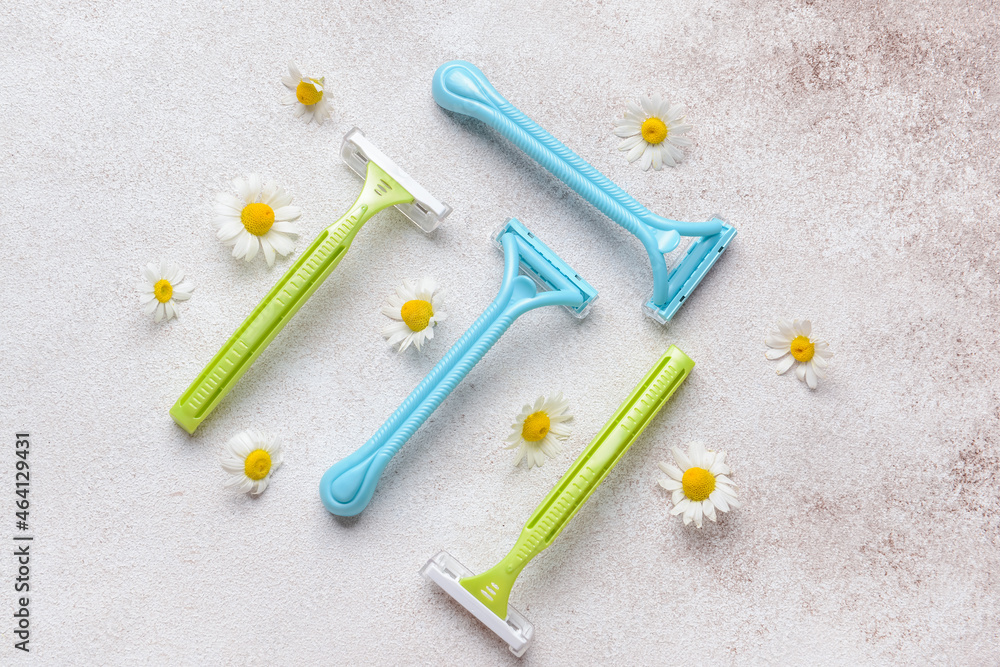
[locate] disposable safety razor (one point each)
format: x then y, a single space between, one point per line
385 185
348 486
486 595
459 86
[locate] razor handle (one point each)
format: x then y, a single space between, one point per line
604 452
280 304
348 486
493 587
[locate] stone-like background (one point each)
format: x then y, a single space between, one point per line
854 145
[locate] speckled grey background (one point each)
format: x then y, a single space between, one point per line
854 145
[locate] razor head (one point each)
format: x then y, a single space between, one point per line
694 262
445 571
548 267
425 211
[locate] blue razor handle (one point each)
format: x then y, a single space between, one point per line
347 487
459 86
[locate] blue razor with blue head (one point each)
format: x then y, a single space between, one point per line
459 86
347 487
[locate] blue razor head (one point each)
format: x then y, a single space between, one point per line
545 267
698 258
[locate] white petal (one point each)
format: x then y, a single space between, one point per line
253 248
785 364
230 231
811 379
682 459
281 243
285 228
657 158
647 158
680 507
268 249
676 154
671 470
670 484
778 341
774 354
800 372
242 244
636 151
286 213
719 500
243 189
229 202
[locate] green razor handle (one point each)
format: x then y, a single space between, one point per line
284 300
492 588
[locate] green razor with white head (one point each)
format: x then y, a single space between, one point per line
486 594
385 185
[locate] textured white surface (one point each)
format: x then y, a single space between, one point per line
855 149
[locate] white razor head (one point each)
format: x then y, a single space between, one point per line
425 211
445 571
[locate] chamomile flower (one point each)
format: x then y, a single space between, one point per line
700 486
259 218
308 95
795 346
538 430
654 133
250 457
162 287
416 307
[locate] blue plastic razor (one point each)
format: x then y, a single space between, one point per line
459 86
347 487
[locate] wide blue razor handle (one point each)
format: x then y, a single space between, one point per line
348 486
461 87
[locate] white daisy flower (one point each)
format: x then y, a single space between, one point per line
416 307
260 218
309 98
654 131
163 286
538 430
699 486
250 457
793 345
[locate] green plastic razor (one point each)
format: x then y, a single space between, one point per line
385 185
486 594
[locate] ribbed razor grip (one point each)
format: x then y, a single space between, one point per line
283 301
597 460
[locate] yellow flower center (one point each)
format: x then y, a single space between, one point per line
654 130
307 93
536 426
802 348
163 290
417 314
257 465
698 484
257 218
